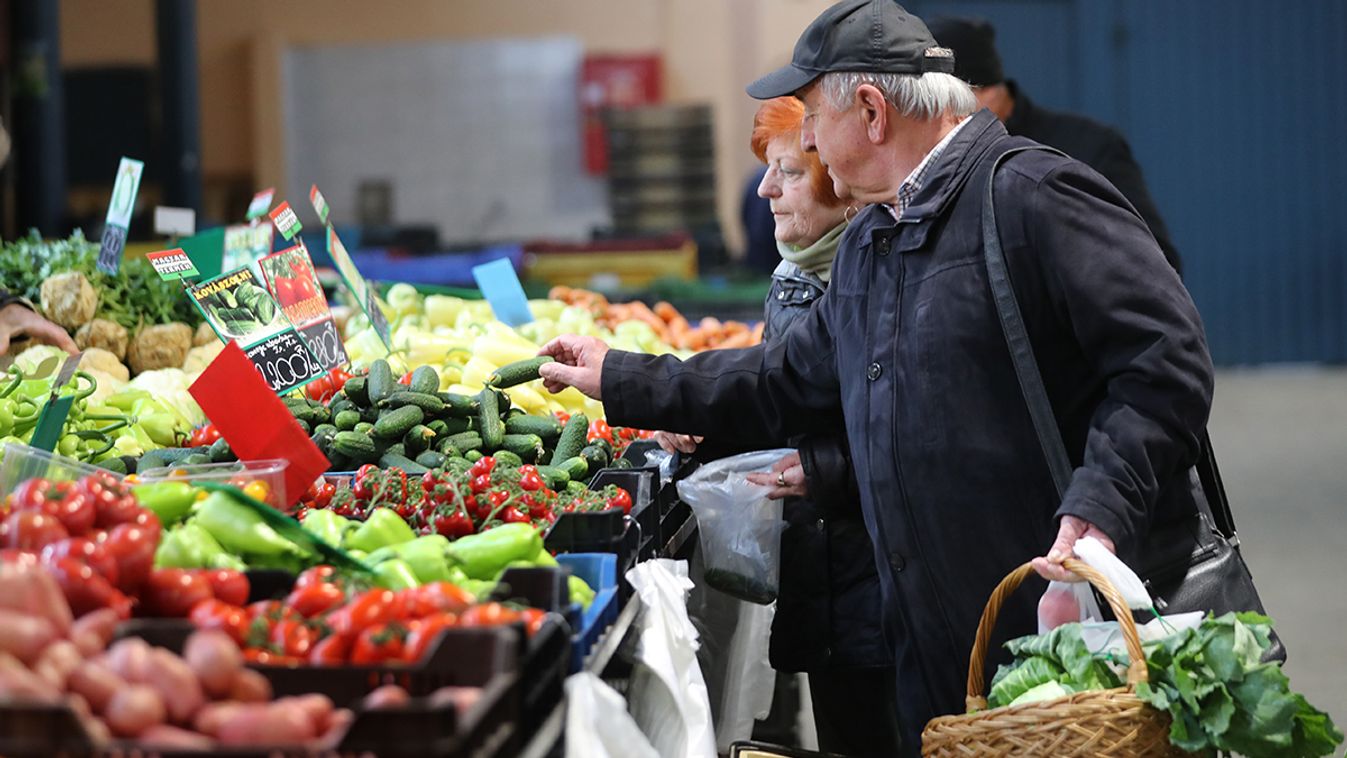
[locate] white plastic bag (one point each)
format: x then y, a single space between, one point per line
740 526
667 695
597 722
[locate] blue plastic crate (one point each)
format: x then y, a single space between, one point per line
599 570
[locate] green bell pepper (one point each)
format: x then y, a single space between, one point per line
188 546
327 526
170 501
383 528
395 574
240 530
483 555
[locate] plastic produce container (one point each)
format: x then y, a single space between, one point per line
270 471
599 570
22 463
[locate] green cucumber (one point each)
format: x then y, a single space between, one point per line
395 423
507 459
304 425
425 379
459 405
431 459
594 456
489 425
575 488
312 414
390 448
356 446
166 456
572 439
325 428
195 459
518 372
340 403
529 447
576 468
439 426
365 427
355 390
620 463
462 442
548 428
381 381
418 439
323 436
553 477
428 403
472 456
220 452
346 420
408 465
457 464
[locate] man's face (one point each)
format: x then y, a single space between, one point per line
837 135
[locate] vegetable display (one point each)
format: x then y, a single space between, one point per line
1209 678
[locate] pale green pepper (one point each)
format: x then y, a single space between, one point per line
395 574
239 529
326 525
170 501
383 528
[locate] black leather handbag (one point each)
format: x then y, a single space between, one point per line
1190 564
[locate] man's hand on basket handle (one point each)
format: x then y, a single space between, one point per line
1071 529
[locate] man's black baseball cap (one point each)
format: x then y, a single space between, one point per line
872 36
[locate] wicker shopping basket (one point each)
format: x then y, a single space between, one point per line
1103 723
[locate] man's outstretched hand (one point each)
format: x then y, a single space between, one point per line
579 364
1071 529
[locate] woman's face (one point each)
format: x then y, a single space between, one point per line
800 218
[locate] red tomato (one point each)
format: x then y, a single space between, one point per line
31 530
379 643
531 482
368 609
133 548
533 619
316 575
214 614
85 589
513 515
86 551
453 525
332 650
423 633
444 596
203 436
112 499
488 614
174 592
228 585
313 599
621 500
31 495
292 638
599 430
64 500
482 466
481 483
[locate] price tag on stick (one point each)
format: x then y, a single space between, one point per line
500 286
261 203
254 421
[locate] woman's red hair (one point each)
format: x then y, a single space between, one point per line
782 117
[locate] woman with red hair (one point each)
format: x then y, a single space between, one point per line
827 620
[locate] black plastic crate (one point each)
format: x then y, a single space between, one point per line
542 587
269 584
547 656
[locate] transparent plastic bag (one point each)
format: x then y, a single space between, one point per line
740 526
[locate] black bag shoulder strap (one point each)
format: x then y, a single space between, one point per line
1031 381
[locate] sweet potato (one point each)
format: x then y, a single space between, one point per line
25 636
173 679
96 683
134 709
165 736
266 725
215 659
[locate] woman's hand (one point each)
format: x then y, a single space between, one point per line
1072 528
16 320
786 478
678 443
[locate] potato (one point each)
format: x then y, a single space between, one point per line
96 683
134 709
387 696
130 659
102 623
161 346
68 299
165 736
215 659
23 635
107 337
267 725
57 662
250 687
173 679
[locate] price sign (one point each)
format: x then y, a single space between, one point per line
174 222
120 208
261 203
240 310
287 223
172 264
319 203
294 283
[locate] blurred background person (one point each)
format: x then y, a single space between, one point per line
1101 147
827 610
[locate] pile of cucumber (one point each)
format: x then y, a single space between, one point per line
414 426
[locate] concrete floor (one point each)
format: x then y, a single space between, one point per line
1280 436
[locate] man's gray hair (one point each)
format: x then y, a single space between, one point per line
919 96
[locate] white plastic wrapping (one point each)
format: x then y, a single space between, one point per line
597 722
668 697
740 527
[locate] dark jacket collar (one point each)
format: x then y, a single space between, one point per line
954 166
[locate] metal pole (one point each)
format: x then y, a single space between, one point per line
180 101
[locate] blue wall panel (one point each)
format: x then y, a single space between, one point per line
1233 109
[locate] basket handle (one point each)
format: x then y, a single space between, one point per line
1136 669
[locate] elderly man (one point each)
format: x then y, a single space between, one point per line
906 344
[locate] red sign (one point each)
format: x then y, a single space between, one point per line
608 81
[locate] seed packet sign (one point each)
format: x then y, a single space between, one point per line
172 264
245 244
287 223
294 284
120 207
260 204
240 310
319 203
365 295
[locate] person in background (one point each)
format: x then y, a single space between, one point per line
17 318
907 345
1098 146
827 621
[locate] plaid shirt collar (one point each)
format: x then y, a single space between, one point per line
917 179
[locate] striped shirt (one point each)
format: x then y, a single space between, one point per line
917 179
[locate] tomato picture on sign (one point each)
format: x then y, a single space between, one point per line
291 278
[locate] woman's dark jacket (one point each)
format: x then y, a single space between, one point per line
828 605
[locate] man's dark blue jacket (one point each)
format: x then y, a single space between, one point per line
907 346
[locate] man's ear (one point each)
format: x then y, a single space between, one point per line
874 112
